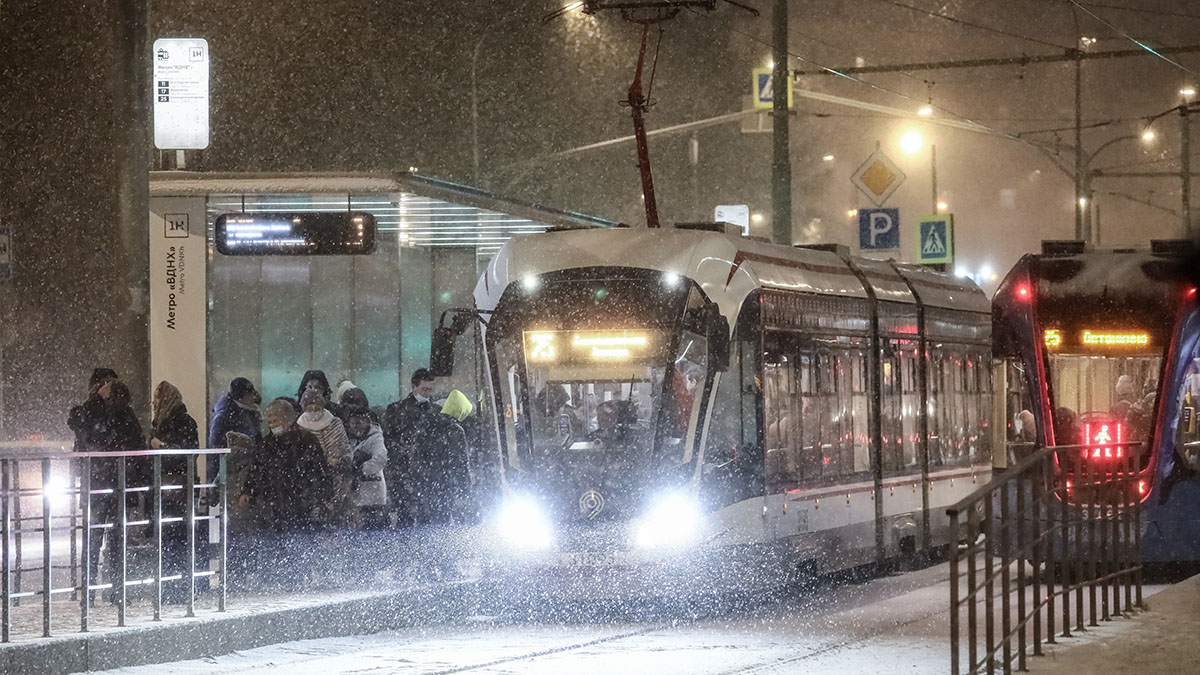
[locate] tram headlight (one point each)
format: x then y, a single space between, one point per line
524 525
673 521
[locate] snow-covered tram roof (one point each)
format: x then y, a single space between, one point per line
726 267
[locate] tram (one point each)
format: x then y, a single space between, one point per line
1103 348
690 409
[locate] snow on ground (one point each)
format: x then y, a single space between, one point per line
891 625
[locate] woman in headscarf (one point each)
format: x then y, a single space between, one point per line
315 380
173 427
335 445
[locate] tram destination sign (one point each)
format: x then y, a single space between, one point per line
313 233
1088 338
591 346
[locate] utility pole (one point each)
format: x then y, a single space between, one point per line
781 167
1185 171
1080 234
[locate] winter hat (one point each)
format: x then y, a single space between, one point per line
319 376
357 411
457 405
239 387
354 397
311 397
1124 386
100 376
343 387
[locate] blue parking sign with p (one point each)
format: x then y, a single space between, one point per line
878 229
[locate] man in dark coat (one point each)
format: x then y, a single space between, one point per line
84 418
236 424
403 423
116 430
440 472
290 484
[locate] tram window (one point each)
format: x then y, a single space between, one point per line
859 430
910 404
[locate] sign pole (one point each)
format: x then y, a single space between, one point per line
781 168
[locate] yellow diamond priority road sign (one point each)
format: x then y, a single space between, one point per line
878 177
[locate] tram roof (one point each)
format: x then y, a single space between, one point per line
194 183
727 267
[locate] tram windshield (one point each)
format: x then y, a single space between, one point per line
1098 400
600 381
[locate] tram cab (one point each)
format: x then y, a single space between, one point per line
1107 345
688 409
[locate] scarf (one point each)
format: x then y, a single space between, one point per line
325 420
167 400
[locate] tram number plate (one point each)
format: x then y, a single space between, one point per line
590 559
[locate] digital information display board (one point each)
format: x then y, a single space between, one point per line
317 233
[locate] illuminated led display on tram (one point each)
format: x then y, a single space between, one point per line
1055 338
576 346
1115 339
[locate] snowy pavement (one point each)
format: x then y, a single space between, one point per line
895 624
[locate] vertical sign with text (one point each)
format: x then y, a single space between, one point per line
180 93
178 297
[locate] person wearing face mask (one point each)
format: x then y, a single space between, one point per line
84 418
335 445
370 458
403 423
288 486
236 425
116 430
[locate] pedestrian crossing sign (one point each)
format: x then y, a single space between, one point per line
936 244
764 88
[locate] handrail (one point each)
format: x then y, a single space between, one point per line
67 453
99 511
1057 536
1022 466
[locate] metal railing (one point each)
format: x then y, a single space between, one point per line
84 498
1051 527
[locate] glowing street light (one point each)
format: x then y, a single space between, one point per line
911 142
827 158
925 111
1187 91
757 217
942 206
1148 135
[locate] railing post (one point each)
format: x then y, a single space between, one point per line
1115 485
1093 514
158 537
118 581
47 563
1050 485
6 525
189 575
85 503
1005 575
73 500
14 478
1037 492
223 551
1137 536
972 587
989 606
1065 532
954 644
1022 545
1129 495
1077 563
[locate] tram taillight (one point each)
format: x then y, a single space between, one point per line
1102 440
